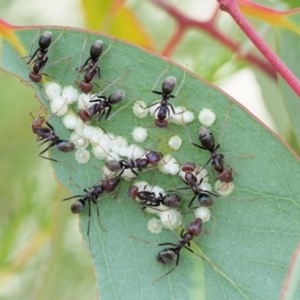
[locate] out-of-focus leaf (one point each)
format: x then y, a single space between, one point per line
272 16
288 47
250 241
115 18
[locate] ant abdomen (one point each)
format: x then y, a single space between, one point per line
206 139
169 85
205 200
96 49
172 200
77 206
113 165
65 146
167 256
116 97
45 40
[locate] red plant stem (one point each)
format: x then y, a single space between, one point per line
173 42
209 27
231 7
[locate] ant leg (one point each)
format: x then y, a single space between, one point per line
177 262
191 202
98 215
121 108
225 121
52 159
134 172
72 197
32 56
150 106
195 253
55 62
198 146
167 244
159 77
181 84
89 222
108 112
107 87
81 67
52 44
29 56
107 49
190 139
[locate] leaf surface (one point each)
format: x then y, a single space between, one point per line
247 244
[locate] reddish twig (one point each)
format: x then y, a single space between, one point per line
209 27
290 284
231 7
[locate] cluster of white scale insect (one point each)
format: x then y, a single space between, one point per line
108 146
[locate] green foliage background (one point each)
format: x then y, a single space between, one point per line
41 254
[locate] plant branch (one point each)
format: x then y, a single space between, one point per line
209 27
231 7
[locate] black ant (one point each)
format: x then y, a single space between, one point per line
102 103
47 134
90 66
169 255
41 55
149 199
164 104
207 141
190 179
108 185
99 108
151 158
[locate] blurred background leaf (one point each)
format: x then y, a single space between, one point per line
31 178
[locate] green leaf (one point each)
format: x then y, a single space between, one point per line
288 47
247 244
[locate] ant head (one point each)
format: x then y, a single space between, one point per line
45 40
206 139
226 176
77 206
96 49
168 85
116 97
37 123
161 123
133 192
35 77
154 157
113 165
167 256
84 115
188 167
195 227
86 87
